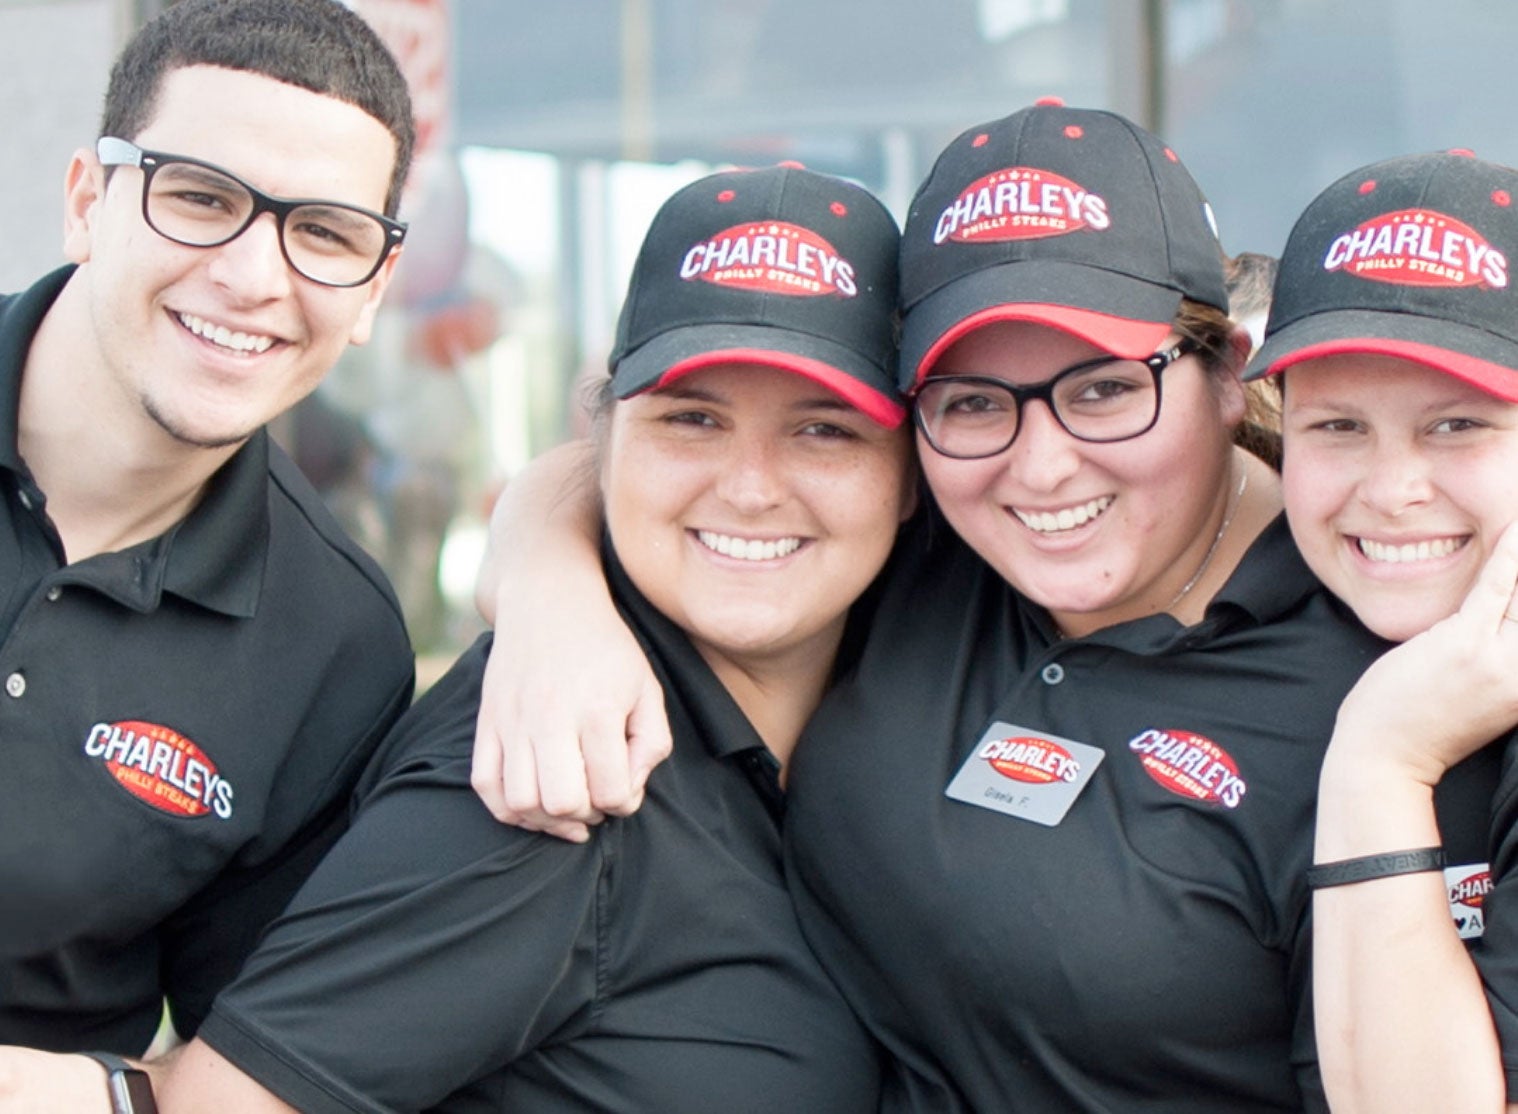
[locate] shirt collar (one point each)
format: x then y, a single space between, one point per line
1271 579
20 317
216 556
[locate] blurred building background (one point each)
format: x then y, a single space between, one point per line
551 132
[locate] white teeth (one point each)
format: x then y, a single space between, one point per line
1048 522
224 337
1403 554
748 549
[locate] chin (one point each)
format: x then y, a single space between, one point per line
1395 621
1060 595
201 434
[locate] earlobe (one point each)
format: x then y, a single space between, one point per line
83 191
909 495
363 328
1236 356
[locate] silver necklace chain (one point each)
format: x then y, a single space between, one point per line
1238 499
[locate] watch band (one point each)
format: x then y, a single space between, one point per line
131 1088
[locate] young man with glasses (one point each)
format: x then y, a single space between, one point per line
196 661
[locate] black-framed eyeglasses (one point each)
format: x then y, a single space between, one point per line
968 417
203 206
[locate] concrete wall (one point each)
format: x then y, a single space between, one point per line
54 58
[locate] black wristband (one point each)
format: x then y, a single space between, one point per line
131 1089
1348 871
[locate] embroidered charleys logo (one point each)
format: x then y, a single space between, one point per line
771 257
1418 247
1189 765
1020 203
161 767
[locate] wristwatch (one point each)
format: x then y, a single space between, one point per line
131 1088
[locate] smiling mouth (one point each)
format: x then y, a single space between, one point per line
1052 522
245 344
748 549
1432 550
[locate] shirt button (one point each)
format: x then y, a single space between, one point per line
15 684
1053 673
53 593
25 497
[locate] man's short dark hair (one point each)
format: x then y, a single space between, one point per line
315 44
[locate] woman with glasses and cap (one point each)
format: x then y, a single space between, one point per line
1394 339
1050 833
1082 755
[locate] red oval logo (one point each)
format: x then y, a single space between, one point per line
771 257
1189 765
160 767
1418 247
1471 890
1020 203
1030 759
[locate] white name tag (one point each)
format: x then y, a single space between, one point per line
1025 773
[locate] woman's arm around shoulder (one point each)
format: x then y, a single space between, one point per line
571 715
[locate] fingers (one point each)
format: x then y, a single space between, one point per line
648 738
505 777
1505 574
1492 602
485 774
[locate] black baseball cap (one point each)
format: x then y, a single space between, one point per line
779 266
1407 258
1068 217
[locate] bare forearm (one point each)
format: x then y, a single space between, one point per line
547 521
1402 1020
571 717
199 1080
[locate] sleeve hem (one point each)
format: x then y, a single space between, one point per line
278 1070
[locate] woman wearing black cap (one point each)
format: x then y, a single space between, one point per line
1051 834
1394 335
755 468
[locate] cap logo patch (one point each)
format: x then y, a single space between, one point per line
161 767
1189 765
1028 758
1418 247
770 257
1020 203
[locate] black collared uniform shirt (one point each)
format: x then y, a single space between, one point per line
1148 951
180 725
440 960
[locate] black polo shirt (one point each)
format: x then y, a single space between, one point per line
180 724
439 959
1149 950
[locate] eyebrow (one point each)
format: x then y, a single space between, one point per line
824 399
1355 404
193 172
